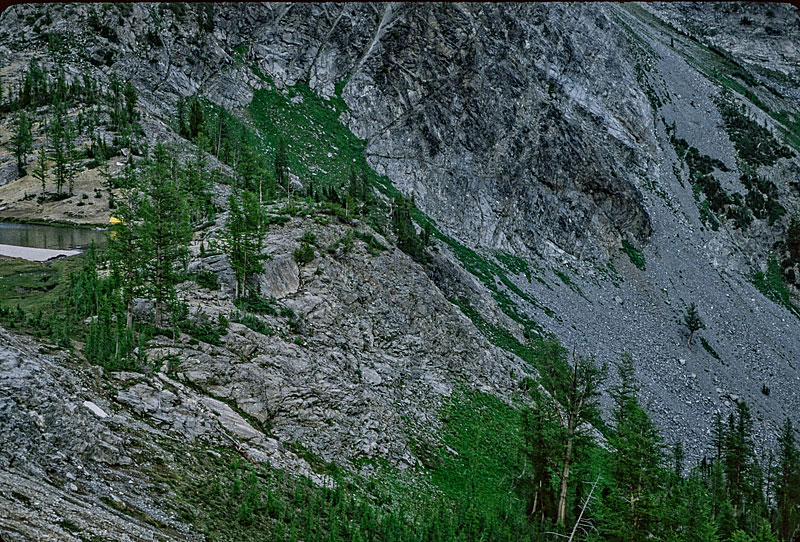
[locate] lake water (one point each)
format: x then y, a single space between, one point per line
51 237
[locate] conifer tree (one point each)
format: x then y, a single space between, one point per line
40 171
765 532
742 474
541 429
693 322
129 93
60 146
243 238
183 130
787 486
195 118
678 457
165 231
696 522
407 239
197 185
635 466
726 519
116 99
125 249
282 166
21 141
573 389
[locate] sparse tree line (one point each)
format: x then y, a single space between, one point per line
640 488
158 200
44 104
258 180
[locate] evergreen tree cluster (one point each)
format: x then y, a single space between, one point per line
408 240
160 201
639 490
45 104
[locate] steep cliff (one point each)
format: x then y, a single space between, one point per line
590 169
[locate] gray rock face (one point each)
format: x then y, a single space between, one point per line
371 339
58 457
535 129
280 277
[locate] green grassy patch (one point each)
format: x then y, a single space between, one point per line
499 336
484 435
709 348
514 264
634 255
320 148
610 273
771 284
753 142
493 277
563 276
36 285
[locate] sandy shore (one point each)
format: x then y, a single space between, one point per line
34 254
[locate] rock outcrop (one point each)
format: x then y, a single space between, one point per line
545 134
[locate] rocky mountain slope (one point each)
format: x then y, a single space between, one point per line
562 153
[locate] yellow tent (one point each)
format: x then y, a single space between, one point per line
114 220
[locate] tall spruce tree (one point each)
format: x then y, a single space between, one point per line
21 140
125 244
165 230
573 388
739 459
282 166
407 239
635 465
40 171
787 484
195 118
60 141
243 239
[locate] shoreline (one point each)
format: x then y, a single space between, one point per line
35 254
49 222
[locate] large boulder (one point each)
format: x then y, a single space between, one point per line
280 277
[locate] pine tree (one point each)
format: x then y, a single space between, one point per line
195 118
636 463
183 130
696 520
165 231
678 457
129 93
356 189
692 320
282 166
787 487
726 520
407 239
765 532
542 431
741 536
59 137
125 250
793 240
197 185
21 141
573 389
40 171
739 461
243 239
